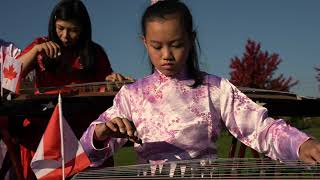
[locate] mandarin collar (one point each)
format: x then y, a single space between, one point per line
161 78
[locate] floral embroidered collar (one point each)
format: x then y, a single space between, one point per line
180 77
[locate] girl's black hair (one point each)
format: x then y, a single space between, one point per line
75 11
162 10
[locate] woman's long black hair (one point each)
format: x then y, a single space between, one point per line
162 10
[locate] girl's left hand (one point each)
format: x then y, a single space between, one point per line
310 151
118 77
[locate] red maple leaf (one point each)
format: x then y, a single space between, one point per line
9 73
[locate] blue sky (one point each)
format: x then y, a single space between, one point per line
290 28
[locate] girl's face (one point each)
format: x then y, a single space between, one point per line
168 45
68 32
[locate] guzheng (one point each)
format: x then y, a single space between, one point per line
278 103
97 97
79 89
89 98
207 169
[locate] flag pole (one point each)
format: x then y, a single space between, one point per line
61 135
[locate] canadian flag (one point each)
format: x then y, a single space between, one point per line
11 74
56 157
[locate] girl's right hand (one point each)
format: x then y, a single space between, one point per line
50 48
117 128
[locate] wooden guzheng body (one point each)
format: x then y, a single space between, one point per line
207 169
281 103
92 98
90 95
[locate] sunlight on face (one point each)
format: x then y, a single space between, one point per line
168 45
68 32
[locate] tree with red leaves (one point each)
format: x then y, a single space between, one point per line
256 69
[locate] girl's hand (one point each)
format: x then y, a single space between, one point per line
117 128
50 48
310 151
118 77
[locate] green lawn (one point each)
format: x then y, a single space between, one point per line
314 131
126 155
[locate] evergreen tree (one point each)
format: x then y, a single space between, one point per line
318 74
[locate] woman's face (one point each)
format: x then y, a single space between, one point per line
168 45
68 32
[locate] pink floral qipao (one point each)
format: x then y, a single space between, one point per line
178 122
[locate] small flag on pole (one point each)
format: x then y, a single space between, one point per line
59 153
11 74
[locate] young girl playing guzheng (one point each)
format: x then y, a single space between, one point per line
177 112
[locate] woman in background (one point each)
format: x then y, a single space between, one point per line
66 56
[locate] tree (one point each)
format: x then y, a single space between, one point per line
318 74
256 69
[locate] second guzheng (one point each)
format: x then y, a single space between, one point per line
278 103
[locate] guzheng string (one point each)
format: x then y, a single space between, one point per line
114 85
209 169
100 83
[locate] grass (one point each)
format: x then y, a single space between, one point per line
126 155
314 131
